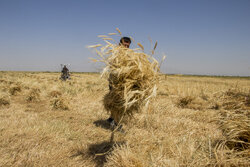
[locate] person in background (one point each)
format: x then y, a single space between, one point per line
65 70
65 73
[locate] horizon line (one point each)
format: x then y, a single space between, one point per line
178 74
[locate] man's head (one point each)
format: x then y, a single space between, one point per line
125 41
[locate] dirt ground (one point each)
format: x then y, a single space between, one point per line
194 121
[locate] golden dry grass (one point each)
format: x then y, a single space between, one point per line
195 121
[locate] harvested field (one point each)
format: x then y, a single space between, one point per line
195 121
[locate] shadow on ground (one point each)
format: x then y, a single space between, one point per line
95 152
101 151
98 152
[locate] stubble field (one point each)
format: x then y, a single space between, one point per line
194 121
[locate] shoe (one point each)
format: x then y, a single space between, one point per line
113 125
109 120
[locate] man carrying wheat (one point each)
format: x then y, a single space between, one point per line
133 76
125 42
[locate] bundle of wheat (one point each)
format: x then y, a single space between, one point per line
33 95
133 76
59 103
4 99
14 90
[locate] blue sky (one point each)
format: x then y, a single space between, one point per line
207 37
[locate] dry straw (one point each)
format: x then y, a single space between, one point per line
4 100
33 95
133 77
234 121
